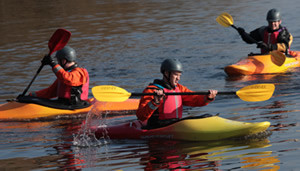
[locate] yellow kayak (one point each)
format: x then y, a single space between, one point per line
262 64
194 129
16 111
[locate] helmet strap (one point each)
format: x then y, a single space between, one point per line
167 77
61 64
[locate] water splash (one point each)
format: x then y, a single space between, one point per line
86 134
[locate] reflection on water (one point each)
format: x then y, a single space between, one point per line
54 136
263 161
167 154
245 78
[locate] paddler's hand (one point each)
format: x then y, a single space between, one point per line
159 95
266 47
212 94
19 96
241 31
48 60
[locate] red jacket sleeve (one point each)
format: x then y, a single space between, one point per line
76 77
146 106
49 92
193 100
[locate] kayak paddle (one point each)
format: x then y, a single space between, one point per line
58 41
226 20
252 93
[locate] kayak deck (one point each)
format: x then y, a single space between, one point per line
262 64
15 111
203 129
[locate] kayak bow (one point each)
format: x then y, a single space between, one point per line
262 64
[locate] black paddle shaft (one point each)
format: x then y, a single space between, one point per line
38 71
184 93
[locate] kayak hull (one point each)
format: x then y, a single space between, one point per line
15 111
203 129
262 64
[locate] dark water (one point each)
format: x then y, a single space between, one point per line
122 43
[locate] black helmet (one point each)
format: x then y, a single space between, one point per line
67 53
171 65
273 15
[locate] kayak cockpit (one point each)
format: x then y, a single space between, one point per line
57 104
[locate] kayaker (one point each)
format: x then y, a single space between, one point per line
271 37
161 109
72 84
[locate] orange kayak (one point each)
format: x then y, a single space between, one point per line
16 111
262 64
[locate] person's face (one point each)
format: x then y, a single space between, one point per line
174 78
274 25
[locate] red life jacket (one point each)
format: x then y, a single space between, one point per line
64 90
172 107
270 38
85 87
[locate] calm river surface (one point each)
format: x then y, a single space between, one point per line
122 43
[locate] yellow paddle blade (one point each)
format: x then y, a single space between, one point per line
256 92
277 57
225 19
109 93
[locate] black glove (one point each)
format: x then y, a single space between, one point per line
264 46
19 96
241 30
48 60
